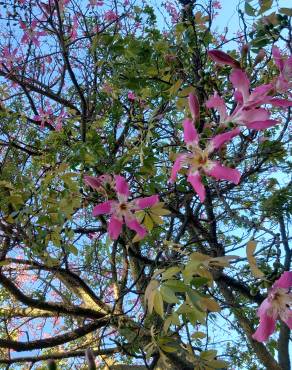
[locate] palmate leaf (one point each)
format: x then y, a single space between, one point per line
151 216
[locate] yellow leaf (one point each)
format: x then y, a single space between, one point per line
167 324
218 364
137 238
148 223
209 354
170 272
205 273
175 87
168 295
158 303
159 210
157 219
250 249
151 298
199 256
222 261
210 304
198 335
186 91
140 215
154 284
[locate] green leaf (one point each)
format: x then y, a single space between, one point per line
168 295
175 87
218 364
265 5
249 10
209 354
286 11
71 248
176 285
170 272
198 335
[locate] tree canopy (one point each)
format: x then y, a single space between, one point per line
145 192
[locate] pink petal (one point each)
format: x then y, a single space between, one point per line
284 281
191 136
217 141
260 92
252 115
238 97
287 70
103 208
134 224
282 85
261 125
264 307
277 58
91 181
224 173
114 227
283 103
146 202
265 329
222 58
195 180
194 107
122 186
240 82
176 166
218 103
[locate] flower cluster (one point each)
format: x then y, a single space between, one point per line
248 112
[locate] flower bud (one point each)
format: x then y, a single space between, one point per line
244 50
261 55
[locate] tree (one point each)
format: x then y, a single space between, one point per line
142 171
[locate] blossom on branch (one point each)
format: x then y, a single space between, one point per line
198 159
276 305
249 111
30 33
122 210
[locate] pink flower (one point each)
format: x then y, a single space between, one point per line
123 211
44 117
74 28
197 160
131 96
172 11
222 58
9 57
216 4
60 119
96 183
194 107
111 16
93 3
248 111
276 305
283 82
30 33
